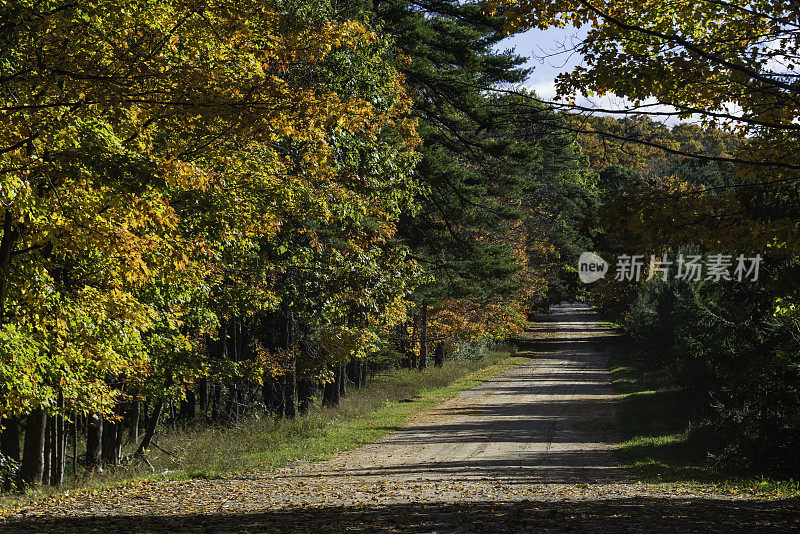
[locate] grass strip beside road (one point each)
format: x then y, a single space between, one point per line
654 421
363 416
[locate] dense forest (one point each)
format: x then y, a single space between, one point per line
218 209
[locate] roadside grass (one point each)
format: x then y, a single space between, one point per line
363 416
654 420
259 443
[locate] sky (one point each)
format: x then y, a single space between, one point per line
551 52
548 53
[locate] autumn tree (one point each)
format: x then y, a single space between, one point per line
730 64
168 170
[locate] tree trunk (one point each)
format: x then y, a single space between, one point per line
47 465
118 442
330 393
215 401
341 378
57 446
108 442
402 345
134 415
354 372
290 392
439 354
202 394
191 405
243 398
266 391
112 446
412 356
290 378
9 446
59 450
423 337
232 408
94 442
111 442
75 445
305 393
32 467
150 431
278 397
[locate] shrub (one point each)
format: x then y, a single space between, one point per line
734 350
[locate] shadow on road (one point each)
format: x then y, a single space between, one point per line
610 515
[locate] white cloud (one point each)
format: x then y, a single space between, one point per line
544 90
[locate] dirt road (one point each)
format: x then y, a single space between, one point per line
529 450
549 420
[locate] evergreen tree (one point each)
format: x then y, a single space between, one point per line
472 186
